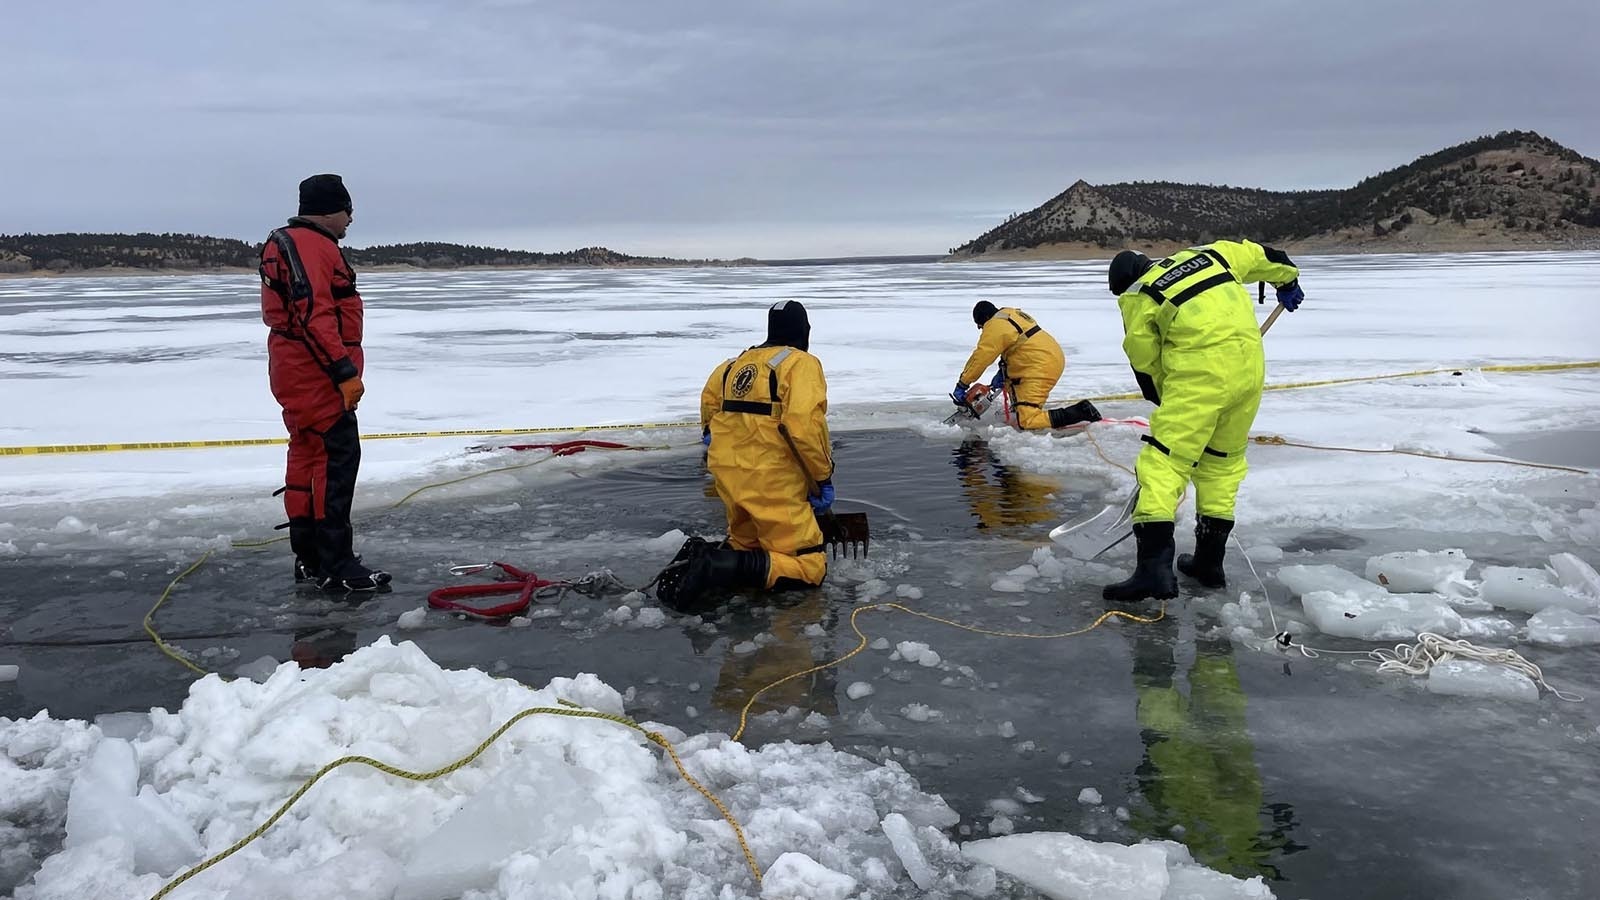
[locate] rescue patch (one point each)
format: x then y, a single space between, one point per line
744 381
1198 263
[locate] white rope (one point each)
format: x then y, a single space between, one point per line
1431 649
1409 659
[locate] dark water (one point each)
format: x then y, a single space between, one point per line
1325 778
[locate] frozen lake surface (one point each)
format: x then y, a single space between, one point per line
1318 775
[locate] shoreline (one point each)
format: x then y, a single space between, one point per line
1156 249
1043 253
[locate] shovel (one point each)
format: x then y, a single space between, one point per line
846 533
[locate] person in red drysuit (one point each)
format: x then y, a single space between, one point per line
314 362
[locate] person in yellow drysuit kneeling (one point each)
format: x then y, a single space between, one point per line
752 407
1192 338
1031 363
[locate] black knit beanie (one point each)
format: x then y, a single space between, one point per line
983 312
323 195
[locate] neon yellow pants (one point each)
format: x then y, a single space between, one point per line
1199 433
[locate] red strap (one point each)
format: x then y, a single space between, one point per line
514 580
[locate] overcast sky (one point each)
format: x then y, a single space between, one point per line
755 128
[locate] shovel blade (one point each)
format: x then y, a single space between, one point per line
846 534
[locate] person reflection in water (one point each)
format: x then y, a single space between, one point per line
1001 496
1199 769
321 647
794 647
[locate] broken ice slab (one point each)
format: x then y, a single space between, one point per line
1067 867
1563 628
1343 604
1416 571
1529 591
1469 678
1577 575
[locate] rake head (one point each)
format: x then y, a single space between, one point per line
845 534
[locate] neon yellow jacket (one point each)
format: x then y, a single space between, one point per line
747 398
1192 302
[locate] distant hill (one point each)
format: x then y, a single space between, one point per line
1509 190
190 252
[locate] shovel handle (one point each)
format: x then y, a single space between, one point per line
811 483
1267 325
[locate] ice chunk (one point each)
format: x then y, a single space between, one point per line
1007 586
650 617
259 670
666 543
914 651
123 725
1344 604
1418 571
530 807
1470 678
859 689
1383 617
106 802
1066 867
904 841
908 592
1528 590
918 712
363 873
1564 628
1576 575
9 673
1089 797
412 619
1008 730
796 876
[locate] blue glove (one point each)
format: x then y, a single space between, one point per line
705 438
959 395
1290 295
998 381
824 499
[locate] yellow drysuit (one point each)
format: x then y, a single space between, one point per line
744 402
1191 334
1029 356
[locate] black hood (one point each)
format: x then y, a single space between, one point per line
983 312
788 326
1126 267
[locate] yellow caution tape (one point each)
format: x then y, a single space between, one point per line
51 449
54 449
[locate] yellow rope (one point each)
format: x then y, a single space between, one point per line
1277 440
543 459
861 644
566 710
1088 433
150 629
1357 379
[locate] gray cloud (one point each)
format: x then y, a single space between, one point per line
772 129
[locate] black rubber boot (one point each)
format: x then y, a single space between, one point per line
303 541
1077 413
351 577
1210 543
1153 576
717 571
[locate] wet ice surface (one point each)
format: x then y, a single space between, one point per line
1314 773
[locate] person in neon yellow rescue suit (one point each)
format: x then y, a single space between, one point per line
1031 363
749 405
1192 338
